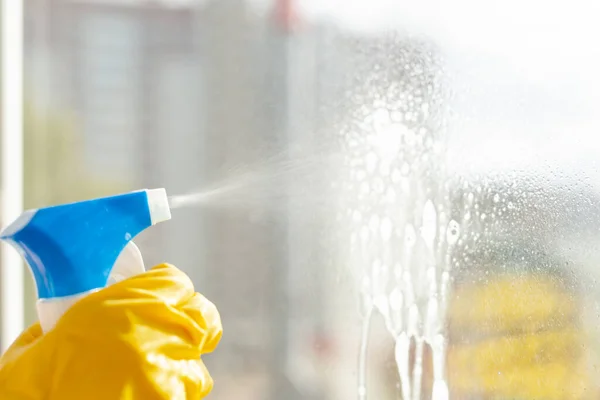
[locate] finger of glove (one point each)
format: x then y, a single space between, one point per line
193 313
192 377
208 321
196 321
200 319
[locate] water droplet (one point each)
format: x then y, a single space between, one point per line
440 390
409 136
381 303
390 195
364 234
371 162
428 142
429 223
470 197
384 167
381 117
431 316
362 391
396 176
374 223
410 236
388 141
395 300
365 189
496 198
405 186
386 229
376 266
396 116
453 232
366 284
445 277
360 175
413 320
378 185
405 169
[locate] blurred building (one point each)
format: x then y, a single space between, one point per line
107 62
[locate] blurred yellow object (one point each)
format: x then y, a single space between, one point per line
141 338
512 305
536 366
517 337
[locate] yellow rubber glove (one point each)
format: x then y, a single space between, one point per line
141 338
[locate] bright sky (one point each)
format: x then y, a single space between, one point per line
527 73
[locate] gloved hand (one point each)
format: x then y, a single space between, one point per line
141 338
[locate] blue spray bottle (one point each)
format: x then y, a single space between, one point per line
76 249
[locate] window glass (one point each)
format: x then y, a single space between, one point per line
387 199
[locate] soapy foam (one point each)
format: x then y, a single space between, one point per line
395 200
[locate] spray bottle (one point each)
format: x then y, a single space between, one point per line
79 248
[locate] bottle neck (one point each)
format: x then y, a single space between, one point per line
129 263
51 310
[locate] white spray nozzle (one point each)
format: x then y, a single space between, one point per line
158 204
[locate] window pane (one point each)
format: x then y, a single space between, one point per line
395 199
